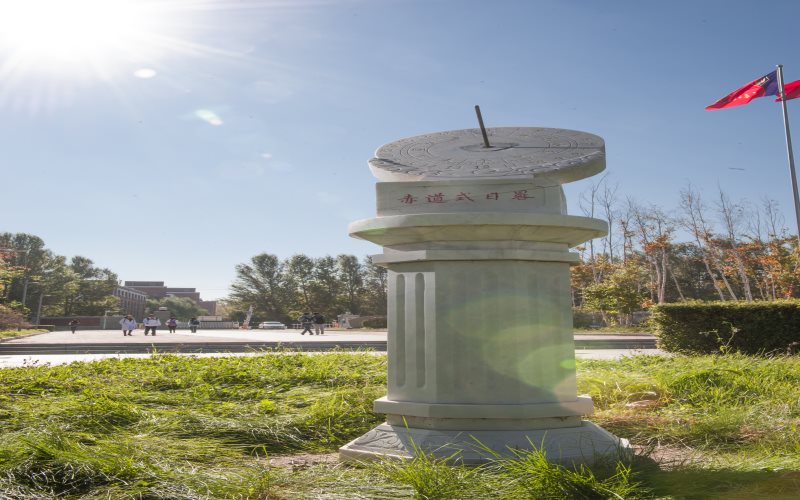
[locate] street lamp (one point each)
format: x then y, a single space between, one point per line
39 308
25 284
35 319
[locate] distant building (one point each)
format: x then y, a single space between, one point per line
189 293
210 306
157 290
131 301
153 289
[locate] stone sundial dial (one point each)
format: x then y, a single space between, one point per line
515 152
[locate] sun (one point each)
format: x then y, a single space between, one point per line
53 51
52 33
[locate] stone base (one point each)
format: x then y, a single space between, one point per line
584 444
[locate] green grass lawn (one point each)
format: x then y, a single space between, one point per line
264 427
7 334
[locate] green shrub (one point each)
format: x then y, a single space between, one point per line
375 323
713 327
582 318
9 318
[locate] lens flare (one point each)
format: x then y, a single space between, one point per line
144 73
209 117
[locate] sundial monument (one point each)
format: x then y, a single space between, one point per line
476 241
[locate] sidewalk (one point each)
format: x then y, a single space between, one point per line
87 341
89 345
186 337
249 336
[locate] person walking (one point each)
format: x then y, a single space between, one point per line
150 324
128 325
306 320
319 323
193 324
172 324
73 325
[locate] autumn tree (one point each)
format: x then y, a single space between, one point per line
730 215
618 296
655 229
695 221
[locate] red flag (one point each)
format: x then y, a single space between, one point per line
791 90
766 85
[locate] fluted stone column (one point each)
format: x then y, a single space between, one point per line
476 241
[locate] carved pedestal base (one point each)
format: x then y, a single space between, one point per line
585 444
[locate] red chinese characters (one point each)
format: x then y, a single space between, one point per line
462 196
520 195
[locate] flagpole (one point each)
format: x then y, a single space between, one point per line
789 149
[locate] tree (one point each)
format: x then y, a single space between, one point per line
8 273
299 278
77 287
730 214
27 253
695 221
618 296
589 271
326 286
95 289
350 274
375 288
182 308
655 229
61 284
261 284
689 269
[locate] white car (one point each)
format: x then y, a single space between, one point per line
272 325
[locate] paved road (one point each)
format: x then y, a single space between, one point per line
88 345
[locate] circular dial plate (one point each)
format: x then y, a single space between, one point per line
559 155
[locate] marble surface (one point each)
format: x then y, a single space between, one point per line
394 230
558 155
584 444
468 195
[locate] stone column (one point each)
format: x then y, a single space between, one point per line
476 241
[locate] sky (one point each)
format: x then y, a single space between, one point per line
171 140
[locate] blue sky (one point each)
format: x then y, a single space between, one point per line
226 129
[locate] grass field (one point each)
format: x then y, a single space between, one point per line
265 427
7 334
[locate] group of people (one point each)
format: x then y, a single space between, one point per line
151 323
317 320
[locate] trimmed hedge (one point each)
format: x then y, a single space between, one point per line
374 323
719 327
